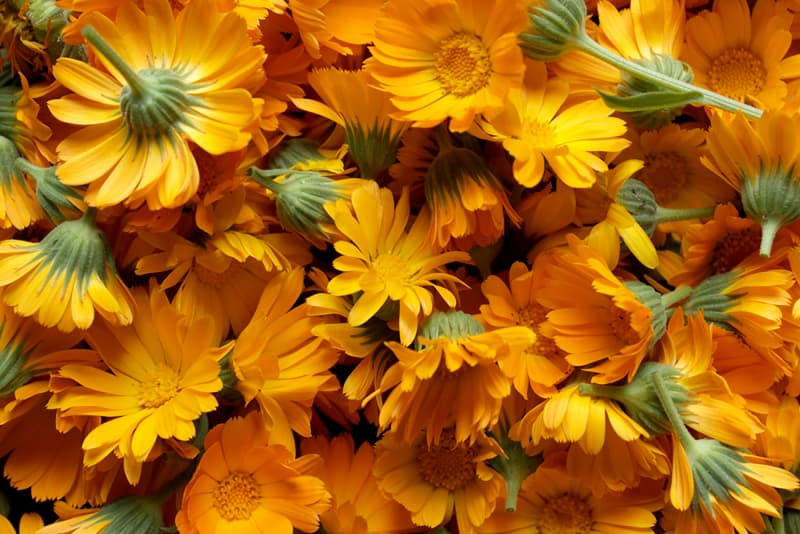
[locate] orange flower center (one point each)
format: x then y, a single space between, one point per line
386 269
737 73
664 173
733 248
237 496
540 136
462 64
530 315
566 514
620 323
447 465
160 386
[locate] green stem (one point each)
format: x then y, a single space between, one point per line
266 178
769 228
675 296
23 165
681 214
586 44
135 82
672 411
601 390
90 215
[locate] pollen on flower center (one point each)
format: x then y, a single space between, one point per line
733 248
159 103
447 465
664 173
566 514
540 136
620 323
462 64
158 387
236 496
530 315
737 73
391 267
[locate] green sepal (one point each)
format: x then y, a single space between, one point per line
453 324
515 467
130 515
55 198
652 299
651 101
707 297
373 150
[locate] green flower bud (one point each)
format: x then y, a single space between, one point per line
554 28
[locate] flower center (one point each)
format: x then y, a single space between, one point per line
447 465
540 136
733 248
737 73
462 64
236 497
390 268
160 386
620 323
664 173
158 106
566 514
530 315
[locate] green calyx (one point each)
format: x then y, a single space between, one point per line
640 399
447 175
14 372
8 171
373 150
709 298
130 515
554 28
294 152
647 104
55 198
772 199
652 299
47 21
9 125
300 197
640 202
76 249
453 324
515 467
155 101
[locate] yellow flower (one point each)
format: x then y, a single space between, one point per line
246 483
434 481
279 363
163 371
66 278
553 501
610 220
451 379
596 318
540 365
357 505
539 124
742 55
444 59
386 261
327 26
160 93
19 119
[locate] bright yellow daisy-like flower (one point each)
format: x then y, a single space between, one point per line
435 481
553 501
538 124
159 93
597 319
163 371
65 279
742 55
384 260
451 379
245 483
444 59
357 505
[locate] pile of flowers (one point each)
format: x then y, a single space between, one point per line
389 266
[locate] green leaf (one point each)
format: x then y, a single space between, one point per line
650 101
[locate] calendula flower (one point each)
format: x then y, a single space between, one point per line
434 481
451 378
551 500
384 260
596 318
66 278
137 118
742 55
541 365
329 26
444 59
246 483
364 112
224 275
610 221
537 124
279 363
759 161
357 505
172 383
